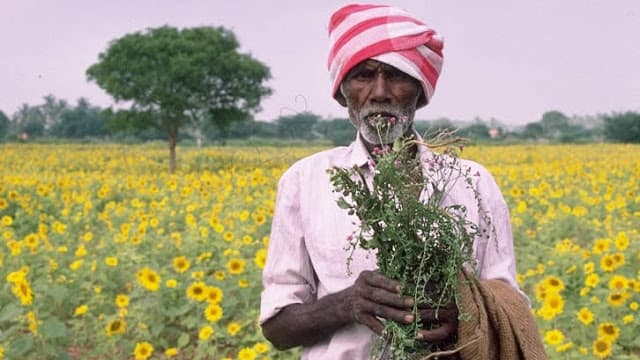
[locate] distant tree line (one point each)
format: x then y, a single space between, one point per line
57 119
193 84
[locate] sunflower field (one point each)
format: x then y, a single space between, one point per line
105 255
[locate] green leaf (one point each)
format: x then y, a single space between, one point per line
53 328
57 293
10 312
156 329
190 322
343 204
18 348
183 340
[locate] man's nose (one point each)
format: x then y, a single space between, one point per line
380 88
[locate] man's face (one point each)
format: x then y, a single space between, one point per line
381 101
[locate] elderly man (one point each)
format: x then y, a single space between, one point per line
384 63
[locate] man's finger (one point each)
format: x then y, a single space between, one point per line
438 315
379 280
439 334
383 296
372 323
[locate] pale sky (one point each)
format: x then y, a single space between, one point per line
505 59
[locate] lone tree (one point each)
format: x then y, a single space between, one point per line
177 77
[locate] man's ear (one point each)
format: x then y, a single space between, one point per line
422 98
339 95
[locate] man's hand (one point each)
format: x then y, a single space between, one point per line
374 296
444 323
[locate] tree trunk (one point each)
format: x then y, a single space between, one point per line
172 152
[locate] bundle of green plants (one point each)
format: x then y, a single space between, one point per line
418 239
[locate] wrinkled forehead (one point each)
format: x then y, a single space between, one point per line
370 67
371 64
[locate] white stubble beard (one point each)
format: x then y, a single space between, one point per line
388 136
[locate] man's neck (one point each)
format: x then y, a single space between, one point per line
412 150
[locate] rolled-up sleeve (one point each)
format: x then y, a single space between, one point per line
496 255
288 276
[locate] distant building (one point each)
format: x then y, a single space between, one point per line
495 133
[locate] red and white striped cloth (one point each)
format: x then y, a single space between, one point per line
386 34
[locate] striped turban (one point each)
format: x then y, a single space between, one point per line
386 34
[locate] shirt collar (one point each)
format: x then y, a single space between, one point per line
358 154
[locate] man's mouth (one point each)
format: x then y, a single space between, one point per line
383 119
380 116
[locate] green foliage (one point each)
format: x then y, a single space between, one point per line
533 131
4 125
178 77
623 127
298 126
477 130
29 120
82 121
242 130
418 241
129 121
554 123
339 131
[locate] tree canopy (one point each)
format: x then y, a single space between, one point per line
623 127
4 125
178 77
298 126
82 121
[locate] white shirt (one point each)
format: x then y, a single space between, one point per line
307 258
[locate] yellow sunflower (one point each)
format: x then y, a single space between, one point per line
181 264
592 280
143 350
205 332
149 279
602 348
219 275
247 354
214 294
618 282
553 337
22 290
81 310
554 303
622 241
608 331
197 291
236 266
7 220
618 259
114 327
122 301
233 328
261 258
553 283
585 316
261 347
607 263
213 313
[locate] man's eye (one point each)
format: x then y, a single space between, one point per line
363 74
397 75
